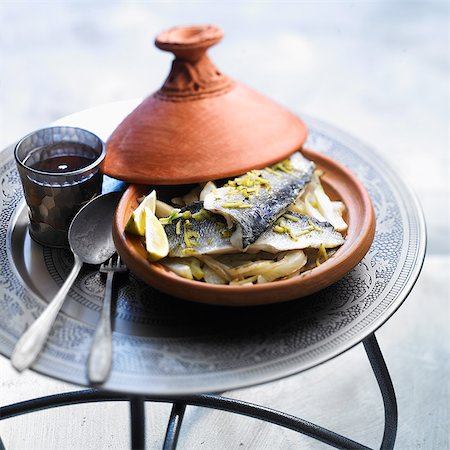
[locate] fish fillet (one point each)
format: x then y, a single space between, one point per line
294 231
255 200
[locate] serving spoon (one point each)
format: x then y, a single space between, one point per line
91 242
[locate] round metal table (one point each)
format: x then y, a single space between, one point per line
175 351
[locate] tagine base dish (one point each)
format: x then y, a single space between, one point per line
338 182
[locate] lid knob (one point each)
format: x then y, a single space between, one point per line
193 75
189 43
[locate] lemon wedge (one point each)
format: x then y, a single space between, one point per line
136 223
156 242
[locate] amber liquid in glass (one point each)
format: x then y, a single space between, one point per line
62 158
62 164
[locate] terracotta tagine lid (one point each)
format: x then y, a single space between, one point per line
201 125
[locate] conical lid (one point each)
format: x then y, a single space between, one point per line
201 125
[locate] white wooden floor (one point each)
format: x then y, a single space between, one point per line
378 70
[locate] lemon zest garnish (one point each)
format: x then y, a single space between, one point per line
280 227
285 166
273 172
289 232
173 216
312 224
305 231
178 227
202 214
323 251
290 217
247 185
235 204
190 236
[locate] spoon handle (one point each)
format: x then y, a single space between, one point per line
32 341
100 357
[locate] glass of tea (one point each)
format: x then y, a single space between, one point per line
59 170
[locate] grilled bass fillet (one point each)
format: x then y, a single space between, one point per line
295 231
255 200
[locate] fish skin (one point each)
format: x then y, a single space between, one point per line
273 242
270 241
267 206
209 240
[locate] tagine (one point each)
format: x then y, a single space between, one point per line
252 217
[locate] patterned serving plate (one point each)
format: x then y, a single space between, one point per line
167 346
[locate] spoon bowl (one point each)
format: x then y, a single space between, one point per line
90 233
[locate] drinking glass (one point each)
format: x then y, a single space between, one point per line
60 171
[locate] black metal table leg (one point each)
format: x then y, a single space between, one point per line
137 416
268 415
53 401
137 409
174 425
387 391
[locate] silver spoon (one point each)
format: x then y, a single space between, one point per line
90 239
